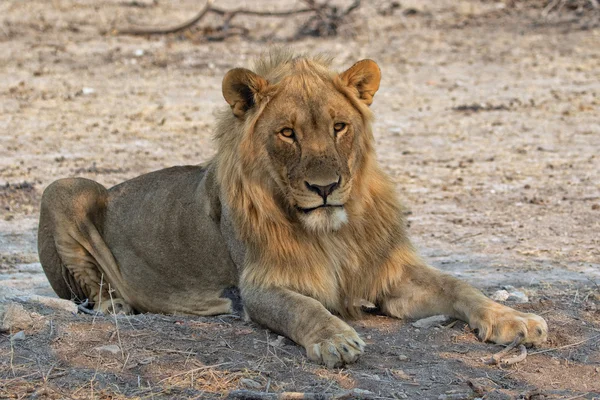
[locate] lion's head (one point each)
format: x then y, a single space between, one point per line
302 134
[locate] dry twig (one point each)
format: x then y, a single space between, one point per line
346 394
110 290
228 15
498 358
325 22
516 359
566 346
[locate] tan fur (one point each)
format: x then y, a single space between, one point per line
298 137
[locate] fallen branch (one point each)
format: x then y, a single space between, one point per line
208 8
498 358
346 394
516 359
558 5
327 19
173 29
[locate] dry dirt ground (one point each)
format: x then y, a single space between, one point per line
487 120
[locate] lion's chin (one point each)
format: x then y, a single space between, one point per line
324 219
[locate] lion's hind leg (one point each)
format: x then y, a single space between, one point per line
70 246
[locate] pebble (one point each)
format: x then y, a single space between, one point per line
18 336
500 295
278 342
353 394
403 357
430 321
111 348
509 293
454 395
251 384
14 317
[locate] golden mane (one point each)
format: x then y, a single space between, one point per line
279 251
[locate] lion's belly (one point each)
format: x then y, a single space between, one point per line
170 251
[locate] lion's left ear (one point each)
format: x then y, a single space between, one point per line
364 77
241 88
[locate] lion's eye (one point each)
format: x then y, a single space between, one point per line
287 133
339 127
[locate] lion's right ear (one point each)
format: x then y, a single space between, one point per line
240 89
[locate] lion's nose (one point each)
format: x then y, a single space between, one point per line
323 190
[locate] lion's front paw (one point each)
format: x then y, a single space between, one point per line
502 325
337 349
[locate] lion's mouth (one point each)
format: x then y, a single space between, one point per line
308 210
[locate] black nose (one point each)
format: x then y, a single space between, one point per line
323 190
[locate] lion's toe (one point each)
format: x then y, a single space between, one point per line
537 329
114 306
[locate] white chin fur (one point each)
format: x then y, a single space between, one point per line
327 219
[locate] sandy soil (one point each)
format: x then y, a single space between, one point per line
487 120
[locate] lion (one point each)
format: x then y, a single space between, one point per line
293 210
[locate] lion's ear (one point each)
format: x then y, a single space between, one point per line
364 77
240 89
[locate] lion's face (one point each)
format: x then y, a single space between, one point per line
310 136
312 150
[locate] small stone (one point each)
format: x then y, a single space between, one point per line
372 377
88 91
111 348
251 384
139 52
454 395
518 297
500 295
430 321
353 394
362 392
509 293
14 317
403 357
18 336
278 342
399 374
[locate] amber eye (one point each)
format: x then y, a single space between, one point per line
287 133
339 127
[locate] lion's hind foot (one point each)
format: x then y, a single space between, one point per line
113 306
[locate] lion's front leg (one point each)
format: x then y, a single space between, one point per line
424 291
326 338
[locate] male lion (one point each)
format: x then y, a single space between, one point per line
293 209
